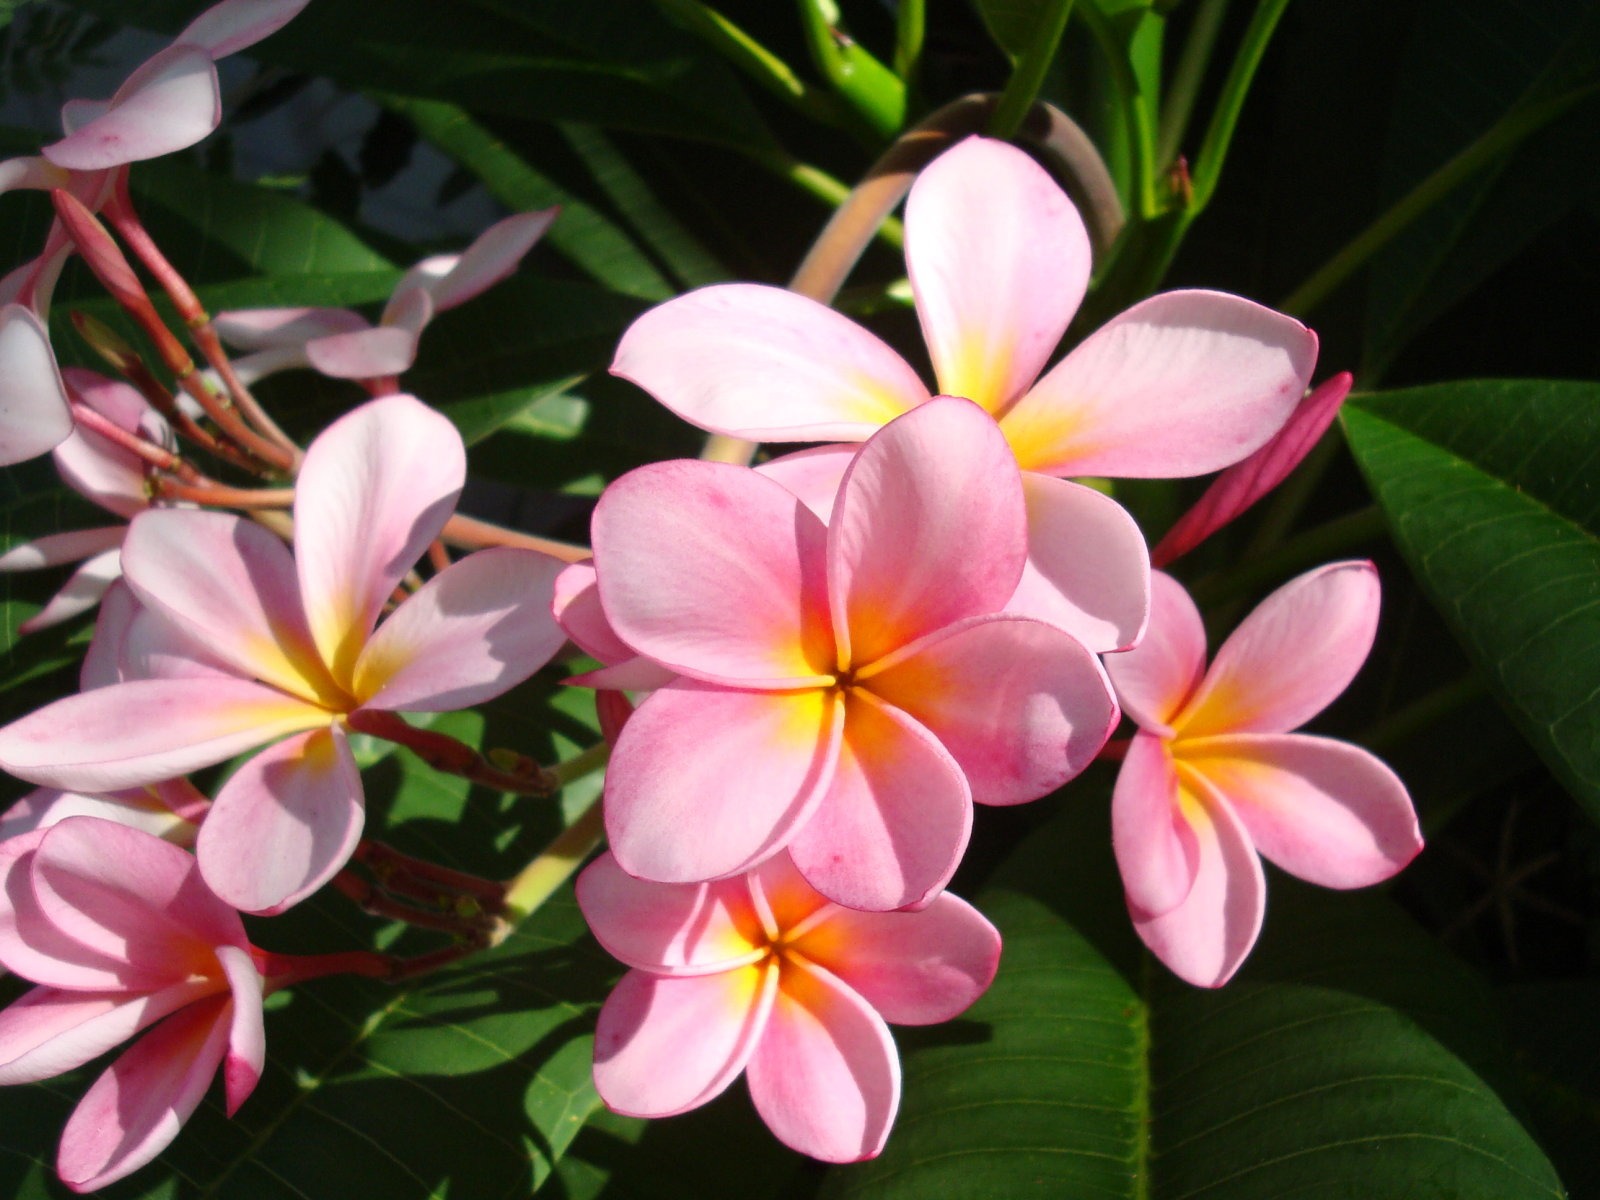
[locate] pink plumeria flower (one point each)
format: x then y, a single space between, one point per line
845 691
1181 384
239 643
120 933
169 103
763 975
341 343
108 475
1214 776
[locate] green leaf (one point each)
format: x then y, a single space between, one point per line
1488 489
1347 1059
471 1081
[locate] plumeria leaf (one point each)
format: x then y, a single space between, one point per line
1488 490
1349 1057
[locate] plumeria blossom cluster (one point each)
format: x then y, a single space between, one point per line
813 673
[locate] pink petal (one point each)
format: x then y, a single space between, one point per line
233 25
669 928
1157 677
375 488
714 572
825 1076
1291 657
133 807
137 1106
813 475
131 734
113 399
271 328
636 674
247 1038
1204 939
914 968
929 528
81 592
1157 852
893 826
664 1044
131 896
1324 810
576 606
284 824
1241 485
365 354
155 648
1180 384
1087 571
103 472
999 260
31 173
49 1031
679 804
229 584
766 364
54 549
471 632
493 256
168 104
1020 705
33 401
102 663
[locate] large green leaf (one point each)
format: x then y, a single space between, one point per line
1349 1058
1489 490
472 1081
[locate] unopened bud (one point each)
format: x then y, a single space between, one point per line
105 341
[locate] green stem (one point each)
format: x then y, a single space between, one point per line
758 63
871 89
1135 110
1319 544
1225 118
1028 77
1187 77
538 881
831 191
910 24
586 762
1500 138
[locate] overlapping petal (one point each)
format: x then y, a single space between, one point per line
716 573
893 825
670 929
34 416
286 821
929 528
171 102
1180 384
825 1076
1324 810
1020 705
229 584
999 261
1157 852
666 1044
135 1109
1205 937
766 364
913 968
247 1036
131 734
477 628
1088 571
48 1031
375 488
1288 660
1156 678
680 802
85 587
494 254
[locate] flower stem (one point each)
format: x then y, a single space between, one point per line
1050 22
536 882
225 497
448 754
473 534
1187 77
